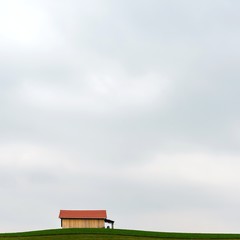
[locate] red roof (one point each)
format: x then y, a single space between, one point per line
99 214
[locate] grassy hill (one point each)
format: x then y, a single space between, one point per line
108 234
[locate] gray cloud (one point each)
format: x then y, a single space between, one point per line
103 100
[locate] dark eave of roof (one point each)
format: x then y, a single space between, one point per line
108 221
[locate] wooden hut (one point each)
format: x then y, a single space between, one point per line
84 218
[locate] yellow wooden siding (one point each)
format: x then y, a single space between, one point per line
83 223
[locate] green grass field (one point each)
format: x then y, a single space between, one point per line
108 234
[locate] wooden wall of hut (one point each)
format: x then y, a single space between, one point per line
83 223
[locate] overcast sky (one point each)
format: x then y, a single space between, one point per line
126 105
